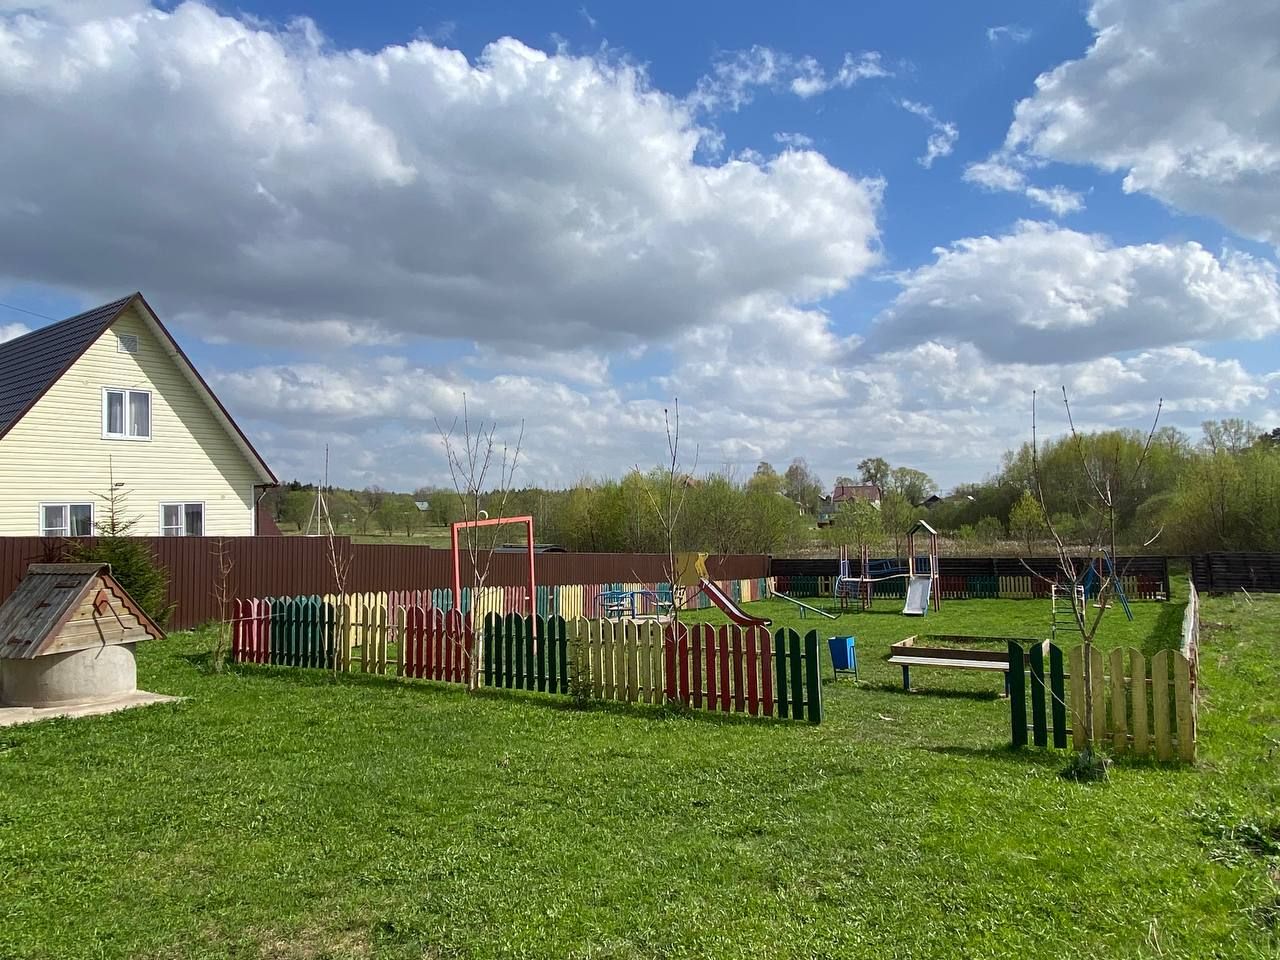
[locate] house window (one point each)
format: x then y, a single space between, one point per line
182 519
126 414
66 519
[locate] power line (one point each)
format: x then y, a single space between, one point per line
42 316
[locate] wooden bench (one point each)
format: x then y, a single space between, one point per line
910 653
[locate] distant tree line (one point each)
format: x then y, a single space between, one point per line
1218 492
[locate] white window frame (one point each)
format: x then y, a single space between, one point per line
204 517
128 403
66 505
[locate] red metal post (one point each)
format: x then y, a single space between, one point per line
492 522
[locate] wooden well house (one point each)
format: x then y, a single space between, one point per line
67 636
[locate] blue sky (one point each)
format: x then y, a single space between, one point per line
835 231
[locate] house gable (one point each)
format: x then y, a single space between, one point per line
57 450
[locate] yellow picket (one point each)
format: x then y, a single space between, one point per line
364 612
381 635
1119 707
577 633
606 686
1138 686
1078 737
349 629
638 691
1098 676
657 661
1160 704
1183 707
623 643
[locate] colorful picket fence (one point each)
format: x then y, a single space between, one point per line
526 653
1139 709
727 669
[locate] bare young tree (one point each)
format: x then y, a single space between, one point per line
222 597
666 500
481 468
1107 483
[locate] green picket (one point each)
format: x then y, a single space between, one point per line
530 653
797 679
311 618
1039 729
540 635
1058 697
553 639
812 676
294 634
562 653
1017 696
492 624
512 637
780 672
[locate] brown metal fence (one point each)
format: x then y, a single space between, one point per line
289 566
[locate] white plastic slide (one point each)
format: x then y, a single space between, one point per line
918 591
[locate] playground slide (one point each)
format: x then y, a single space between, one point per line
731 609
918 590
803 606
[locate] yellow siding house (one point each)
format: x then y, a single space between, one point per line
108 396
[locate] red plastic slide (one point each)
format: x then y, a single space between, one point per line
731 609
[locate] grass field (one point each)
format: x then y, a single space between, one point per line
281 813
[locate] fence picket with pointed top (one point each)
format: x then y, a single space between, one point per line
1119 703
1183 707
1160 705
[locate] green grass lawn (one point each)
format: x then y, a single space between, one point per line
278 813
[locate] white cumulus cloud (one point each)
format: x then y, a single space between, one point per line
1182 97
262 185
1046 294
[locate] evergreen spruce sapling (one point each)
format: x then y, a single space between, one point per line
132 563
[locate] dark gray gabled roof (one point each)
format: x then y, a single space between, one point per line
32 363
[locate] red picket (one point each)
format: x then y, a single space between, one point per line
724 669
432 630
709 647
738 693
450 626
682 656
695 658
433 645
766 671
753 689
669 663
238 625
411 641
428 661
468 648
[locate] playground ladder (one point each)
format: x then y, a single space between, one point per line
1065 603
